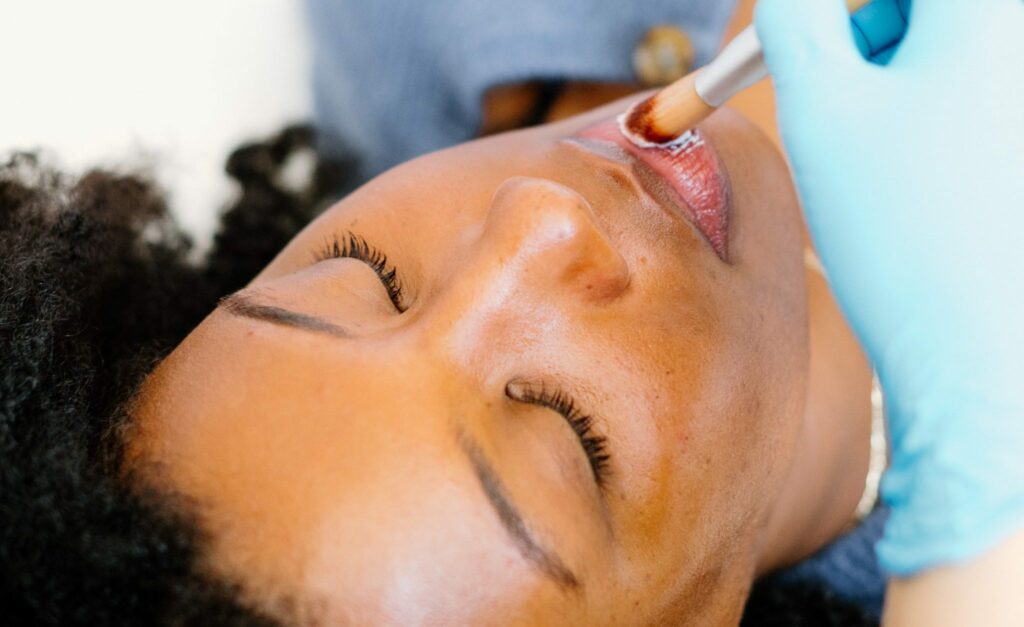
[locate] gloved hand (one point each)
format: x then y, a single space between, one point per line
912 180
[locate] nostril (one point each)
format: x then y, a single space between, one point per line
599 273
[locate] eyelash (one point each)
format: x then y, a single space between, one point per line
595 446
351 246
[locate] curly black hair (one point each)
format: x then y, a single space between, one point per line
97 284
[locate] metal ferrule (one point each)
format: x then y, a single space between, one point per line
738 66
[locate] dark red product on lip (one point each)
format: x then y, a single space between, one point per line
640 123
692 169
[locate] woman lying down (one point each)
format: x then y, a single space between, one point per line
539 378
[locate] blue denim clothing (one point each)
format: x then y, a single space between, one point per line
394 79
848 567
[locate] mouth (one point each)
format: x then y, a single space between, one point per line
690 170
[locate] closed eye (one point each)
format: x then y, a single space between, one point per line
594 446
352 246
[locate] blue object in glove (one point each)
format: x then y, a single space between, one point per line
912 179
879 27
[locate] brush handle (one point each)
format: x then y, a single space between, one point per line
739 65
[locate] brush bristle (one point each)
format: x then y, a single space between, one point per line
640 124
627 132
666 115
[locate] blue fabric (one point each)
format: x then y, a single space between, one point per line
394 79
848 567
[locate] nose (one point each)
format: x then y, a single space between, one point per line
548 232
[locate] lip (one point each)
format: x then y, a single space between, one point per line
690 169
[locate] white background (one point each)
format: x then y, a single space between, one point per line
169 85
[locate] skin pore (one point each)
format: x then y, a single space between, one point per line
413 448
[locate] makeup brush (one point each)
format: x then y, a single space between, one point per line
680 106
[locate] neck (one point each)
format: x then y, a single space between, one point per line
827 477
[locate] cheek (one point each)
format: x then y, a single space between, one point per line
727 403
761 409
767 315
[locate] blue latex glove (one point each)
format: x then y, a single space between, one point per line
912 179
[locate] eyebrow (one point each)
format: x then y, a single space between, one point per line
546 561
241 305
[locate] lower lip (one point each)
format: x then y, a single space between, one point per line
691 169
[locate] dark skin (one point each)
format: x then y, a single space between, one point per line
397 459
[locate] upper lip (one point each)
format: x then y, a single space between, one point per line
643 175
652 183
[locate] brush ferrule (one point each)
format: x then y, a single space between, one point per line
738 66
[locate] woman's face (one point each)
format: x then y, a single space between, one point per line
574 400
